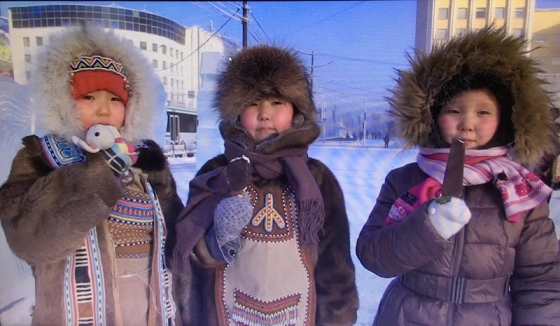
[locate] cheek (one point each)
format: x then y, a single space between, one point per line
247 119
445 124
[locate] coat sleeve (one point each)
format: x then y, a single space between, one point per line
535 282
46 214
337 297
394 250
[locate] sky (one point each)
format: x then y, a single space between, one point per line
356 44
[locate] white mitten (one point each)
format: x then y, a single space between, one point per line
449 217
230 217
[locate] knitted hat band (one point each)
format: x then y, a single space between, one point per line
90 74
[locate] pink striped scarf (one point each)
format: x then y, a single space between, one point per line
521 189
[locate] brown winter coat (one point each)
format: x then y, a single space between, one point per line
336 294
483 254
46 214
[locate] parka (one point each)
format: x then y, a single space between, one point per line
493 271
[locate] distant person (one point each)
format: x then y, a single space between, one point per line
91 220
487 257
267 224
386 140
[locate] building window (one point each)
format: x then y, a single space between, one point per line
176 53
164 65
163 49
28 58
143 45
165 81
517 32
520 13
39 40
441 34
26 42
172 82
460 31
27 75
172 67
154 47
191 94
500 13
171 52
155 63
443 13
181 54
480 13
182 71
462 13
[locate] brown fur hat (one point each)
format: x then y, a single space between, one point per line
259 72
487 58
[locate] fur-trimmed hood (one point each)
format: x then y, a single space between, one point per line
259 72
53 89
487 52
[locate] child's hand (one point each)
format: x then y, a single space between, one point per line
448 217
231 216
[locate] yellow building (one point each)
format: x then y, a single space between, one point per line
546 44
546 39
439 20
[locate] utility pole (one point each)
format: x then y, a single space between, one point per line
364 127
245 19
312 66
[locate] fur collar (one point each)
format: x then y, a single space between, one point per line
489 51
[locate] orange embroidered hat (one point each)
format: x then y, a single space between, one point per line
94 73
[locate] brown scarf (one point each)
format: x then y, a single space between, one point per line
208 189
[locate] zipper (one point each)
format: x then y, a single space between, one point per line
458 247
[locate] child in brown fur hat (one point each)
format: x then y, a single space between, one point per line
91 220
485 254
267 223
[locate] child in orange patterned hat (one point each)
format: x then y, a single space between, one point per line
90 204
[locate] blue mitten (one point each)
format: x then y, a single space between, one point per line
448 217
230 218
57 152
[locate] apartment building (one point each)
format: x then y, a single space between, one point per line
439 20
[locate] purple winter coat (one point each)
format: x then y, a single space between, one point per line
492 272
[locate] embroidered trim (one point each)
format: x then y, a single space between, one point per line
97 62
60 151
84 285
164 282
250 311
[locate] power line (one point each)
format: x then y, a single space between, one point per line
258 24
328 18
201 45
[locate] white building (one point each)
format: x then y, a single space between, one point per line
174 50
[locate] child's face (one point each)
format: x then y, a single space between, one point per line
472 116
101 107
265 117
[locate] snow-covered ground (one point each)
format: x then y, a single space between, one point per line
360 172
